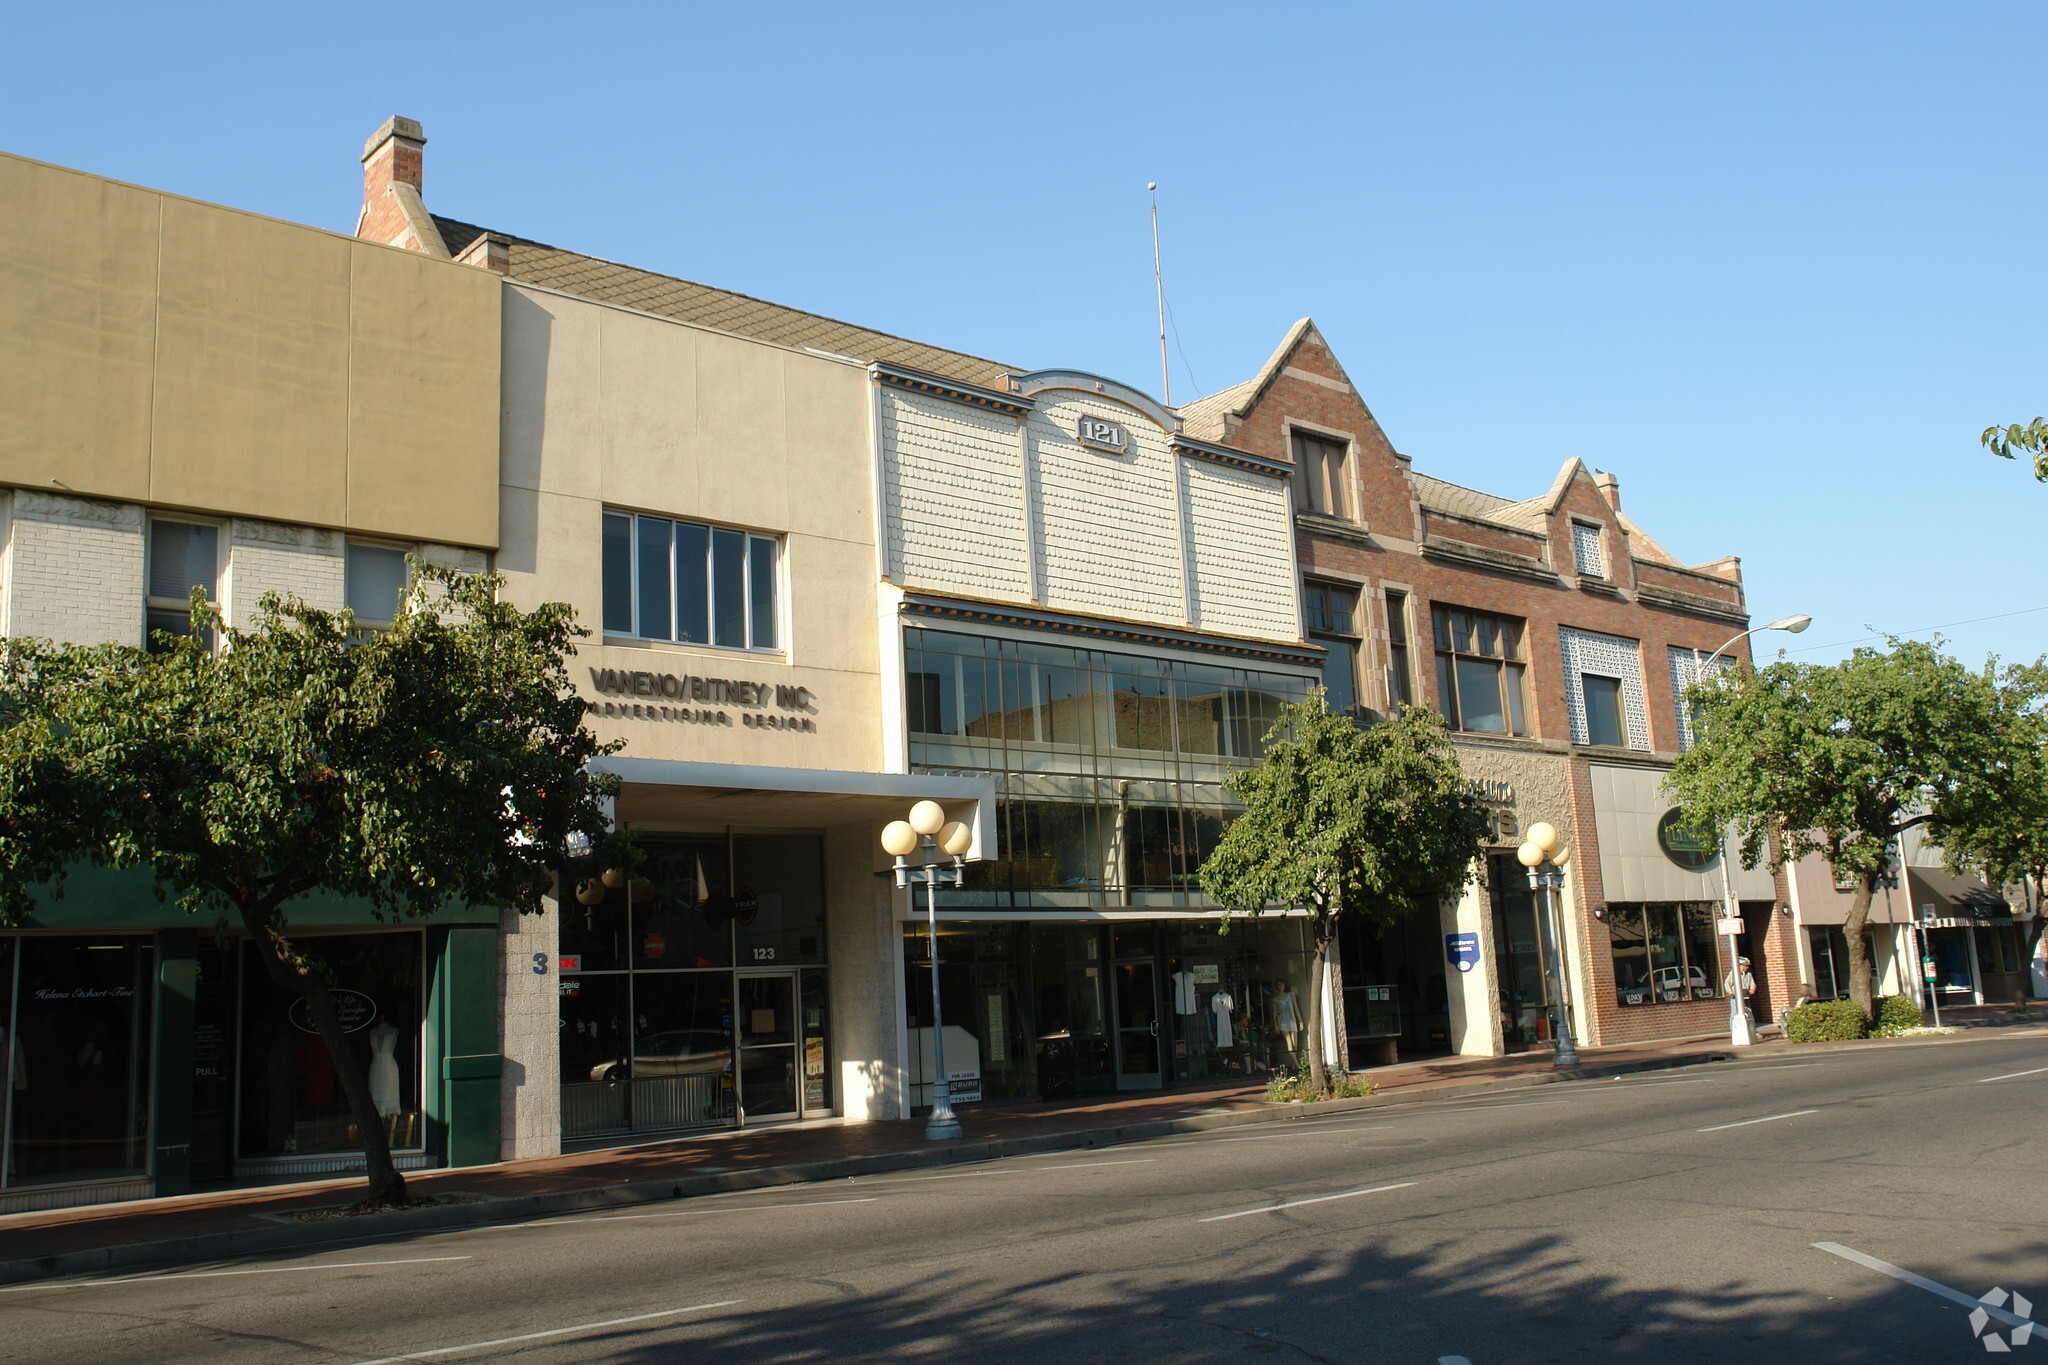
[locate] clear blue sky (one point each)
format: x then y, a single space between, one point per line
1775 265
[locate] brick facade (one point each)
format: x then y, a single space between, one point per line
1444 545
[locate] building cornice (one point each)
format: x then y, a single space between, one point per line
931 607
1236 459
1493 561
1669 598
952 390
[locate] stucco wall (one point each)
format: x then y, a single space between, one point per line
163 351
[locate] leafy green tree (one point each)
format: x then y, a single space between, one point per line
2010 442
442 760
1997 827
1343 821
1839 760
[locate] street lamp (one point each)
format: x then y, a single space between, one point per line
1545 861
1741 1028
928 827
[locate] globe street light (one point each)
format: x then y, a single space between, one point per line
928 827
1545 860
1741 1028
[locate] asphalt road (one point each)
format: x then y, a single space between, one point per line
1665 1216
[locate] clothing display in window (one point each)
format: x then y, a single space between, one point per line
384 1068
1183 992
1287 1016
1220 1005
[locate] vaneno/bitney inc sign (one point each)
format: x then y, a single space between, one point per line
663 688
1689 843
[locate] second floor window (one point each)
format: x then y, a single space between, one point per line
376 576
1331 613
1322 475
183 555
1400 684
686 581
1479 666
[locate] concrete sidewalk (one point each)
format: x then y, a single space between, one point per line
241 1221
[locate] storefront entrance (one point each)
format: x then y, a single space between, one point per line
669 1016
1518 942
1137 1024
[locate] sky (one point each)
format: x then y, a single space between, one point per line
1770 264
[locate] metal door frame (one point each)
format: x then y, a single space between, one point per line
793 975
1134 1080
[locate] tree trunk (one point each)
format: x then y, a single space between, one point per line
387 1186
1319 962
2032 945
1854 922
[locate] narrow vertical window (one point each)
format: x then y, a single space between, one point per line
693 583
183 555
655 575
1603 710
1400 685
1586 550
761 622
618 573
729 589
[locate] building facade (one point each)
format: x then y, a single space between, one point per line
1555 636
201 397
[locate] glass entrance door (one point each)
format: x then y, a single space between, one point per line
1136 985
767 1026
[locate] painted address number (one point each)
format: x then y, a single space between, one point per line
764 954
1102 434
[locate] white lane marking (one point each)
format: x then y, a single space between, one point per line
1956 1296
1297 1203
2012 1074
684 1213
222 1274
1452 1360
1274 1137
1075 1166
541 1336
1453 1107
1768 1118
1786 1066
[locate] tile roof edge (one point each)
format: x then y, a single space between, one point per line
733 293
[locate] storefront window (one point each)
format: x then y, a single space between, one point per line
659 1030
292 1101
1664 954
77 1057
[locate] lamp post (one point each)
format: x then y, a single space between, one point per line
929 828
1545 861
1741 1028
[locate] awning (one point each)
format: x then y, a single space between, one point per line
658 791
1945 900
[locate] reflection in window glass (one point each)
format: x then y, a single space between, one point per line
728 589
78 1060
679 580
761 593
693 583
1603 709
1631 955
1479 671
1664 954
1702 951
618 573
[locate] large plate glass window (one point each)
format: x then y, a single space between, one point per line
666 579
1479 667
1664 954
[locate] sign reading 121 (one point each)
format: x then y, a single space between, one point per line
1102 434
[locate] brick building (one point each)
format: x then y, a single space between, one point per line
1555 634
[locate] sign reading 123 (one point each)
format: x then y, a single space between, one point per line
1102 434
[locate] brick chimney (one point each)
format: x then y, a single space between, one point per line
1609 486
394 164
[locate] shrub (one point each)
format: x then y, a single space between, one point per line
1826 1021
1894 1015
1289 1087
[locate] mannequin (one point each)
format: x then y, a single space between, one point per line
384 1068
1287 1016
1221 1005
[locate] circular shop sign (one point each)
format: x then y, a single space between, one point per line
355 1010
1688 843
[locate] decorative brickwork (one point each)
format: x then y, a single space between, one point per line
1609 656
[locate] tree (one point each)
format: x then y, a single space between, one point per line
1997 827
1839 760
2010 442
443 760
1344 821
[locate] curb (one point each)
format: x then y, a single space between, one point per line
521 1208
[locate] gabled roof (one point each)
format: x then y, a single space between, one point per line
1207 419
651 292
